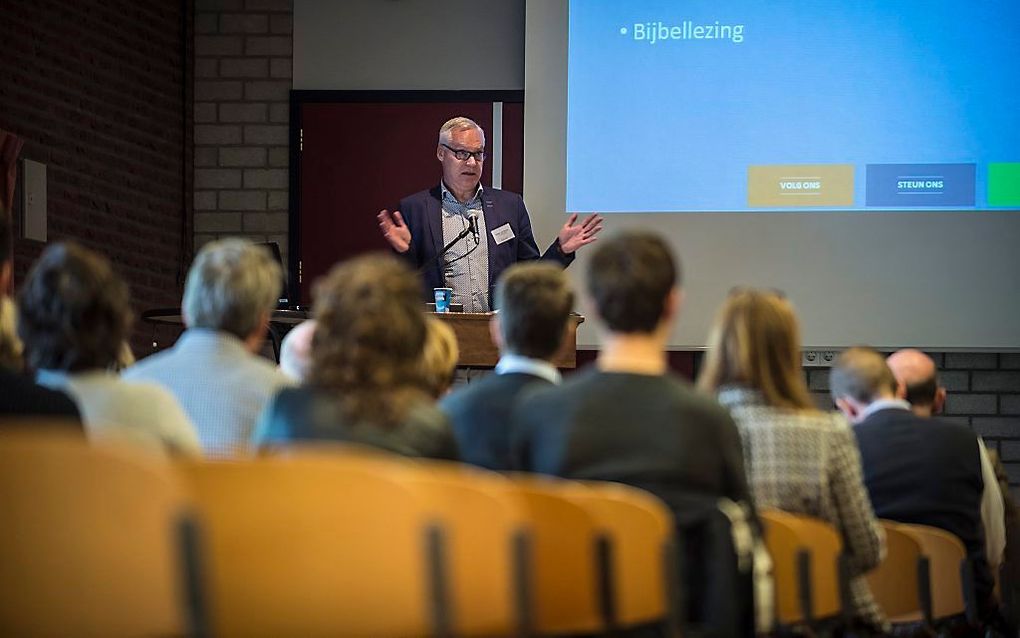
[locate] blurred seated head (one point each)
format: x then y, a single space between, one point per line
296 350
533 301
233 286
634 283
73 311
439 357
859 377
369 336
10 345
918 376
755 343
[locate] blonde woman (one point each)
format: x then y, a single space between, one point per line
798 458
439 358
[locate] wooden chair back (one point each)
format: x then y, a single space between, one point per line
316 547
90 543
806 557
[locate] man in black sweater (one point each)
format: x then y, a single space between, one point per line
917 470
533 302
628 419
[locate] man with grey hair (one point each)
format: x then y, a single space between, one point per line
462 236
921 470
213 370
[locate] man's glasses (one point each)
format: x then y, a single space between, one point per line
463 155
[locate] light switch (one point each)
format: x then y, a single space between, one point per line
33 200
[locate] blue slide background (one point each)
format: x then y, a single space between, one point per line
673 126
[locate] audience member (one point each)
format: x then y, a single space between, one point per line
73 318
20 397
296 351
439 357
533 302
627 419
1009 574
364 385
918 469
231 290
10 345
799 459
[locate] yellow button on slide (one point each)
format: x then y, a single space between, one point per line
800 185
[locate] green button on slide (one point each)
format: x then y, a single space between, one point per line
1004 184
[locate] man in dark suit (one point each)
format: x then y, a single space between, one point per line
534 302
917 470
19 395
486 229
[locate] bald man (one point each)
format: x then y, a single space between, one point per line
296 351
922 470
917 376
916 372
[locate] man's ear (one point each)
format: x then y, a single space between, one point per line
940 401
439 152
901 390
258 335
674 301
847 408
495 331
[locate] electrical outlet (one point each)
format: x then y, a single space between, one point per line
818 358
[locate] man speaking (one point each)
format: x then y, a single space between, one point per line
482 230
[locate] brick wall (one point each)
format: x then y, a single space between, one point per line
983 392
243 53
98 93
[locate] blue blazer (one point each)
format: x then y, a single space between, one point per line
422 212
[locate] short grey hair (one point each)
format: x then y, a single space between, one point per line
458 124
230 284
862 374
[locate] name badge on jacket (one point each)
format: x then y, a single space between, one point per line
503 234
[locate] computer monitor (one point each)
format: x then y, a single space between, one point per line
274 249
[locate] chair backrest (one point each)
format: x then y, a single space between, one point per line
564 550
484 525
89 543
789 538
895 582
641 550
314 547
946 555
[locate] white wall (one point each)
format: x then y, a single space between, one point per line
409 44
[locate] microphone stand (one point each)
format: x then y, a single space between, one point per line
464 233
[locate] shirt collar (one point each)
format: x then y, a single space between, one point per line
207 337
882 404
448 195
515 363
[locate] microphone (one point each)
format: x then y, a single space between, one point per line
473 224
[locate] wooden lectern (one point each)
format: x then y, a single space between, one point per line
478 350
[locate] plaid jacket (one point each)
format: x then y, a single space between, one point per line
808 463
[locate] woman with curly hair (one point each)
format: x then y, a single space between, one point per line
365 381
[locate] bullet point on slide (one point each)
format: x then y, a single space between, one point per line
623 30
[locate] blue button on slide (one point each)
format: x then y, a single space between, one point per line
920 185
